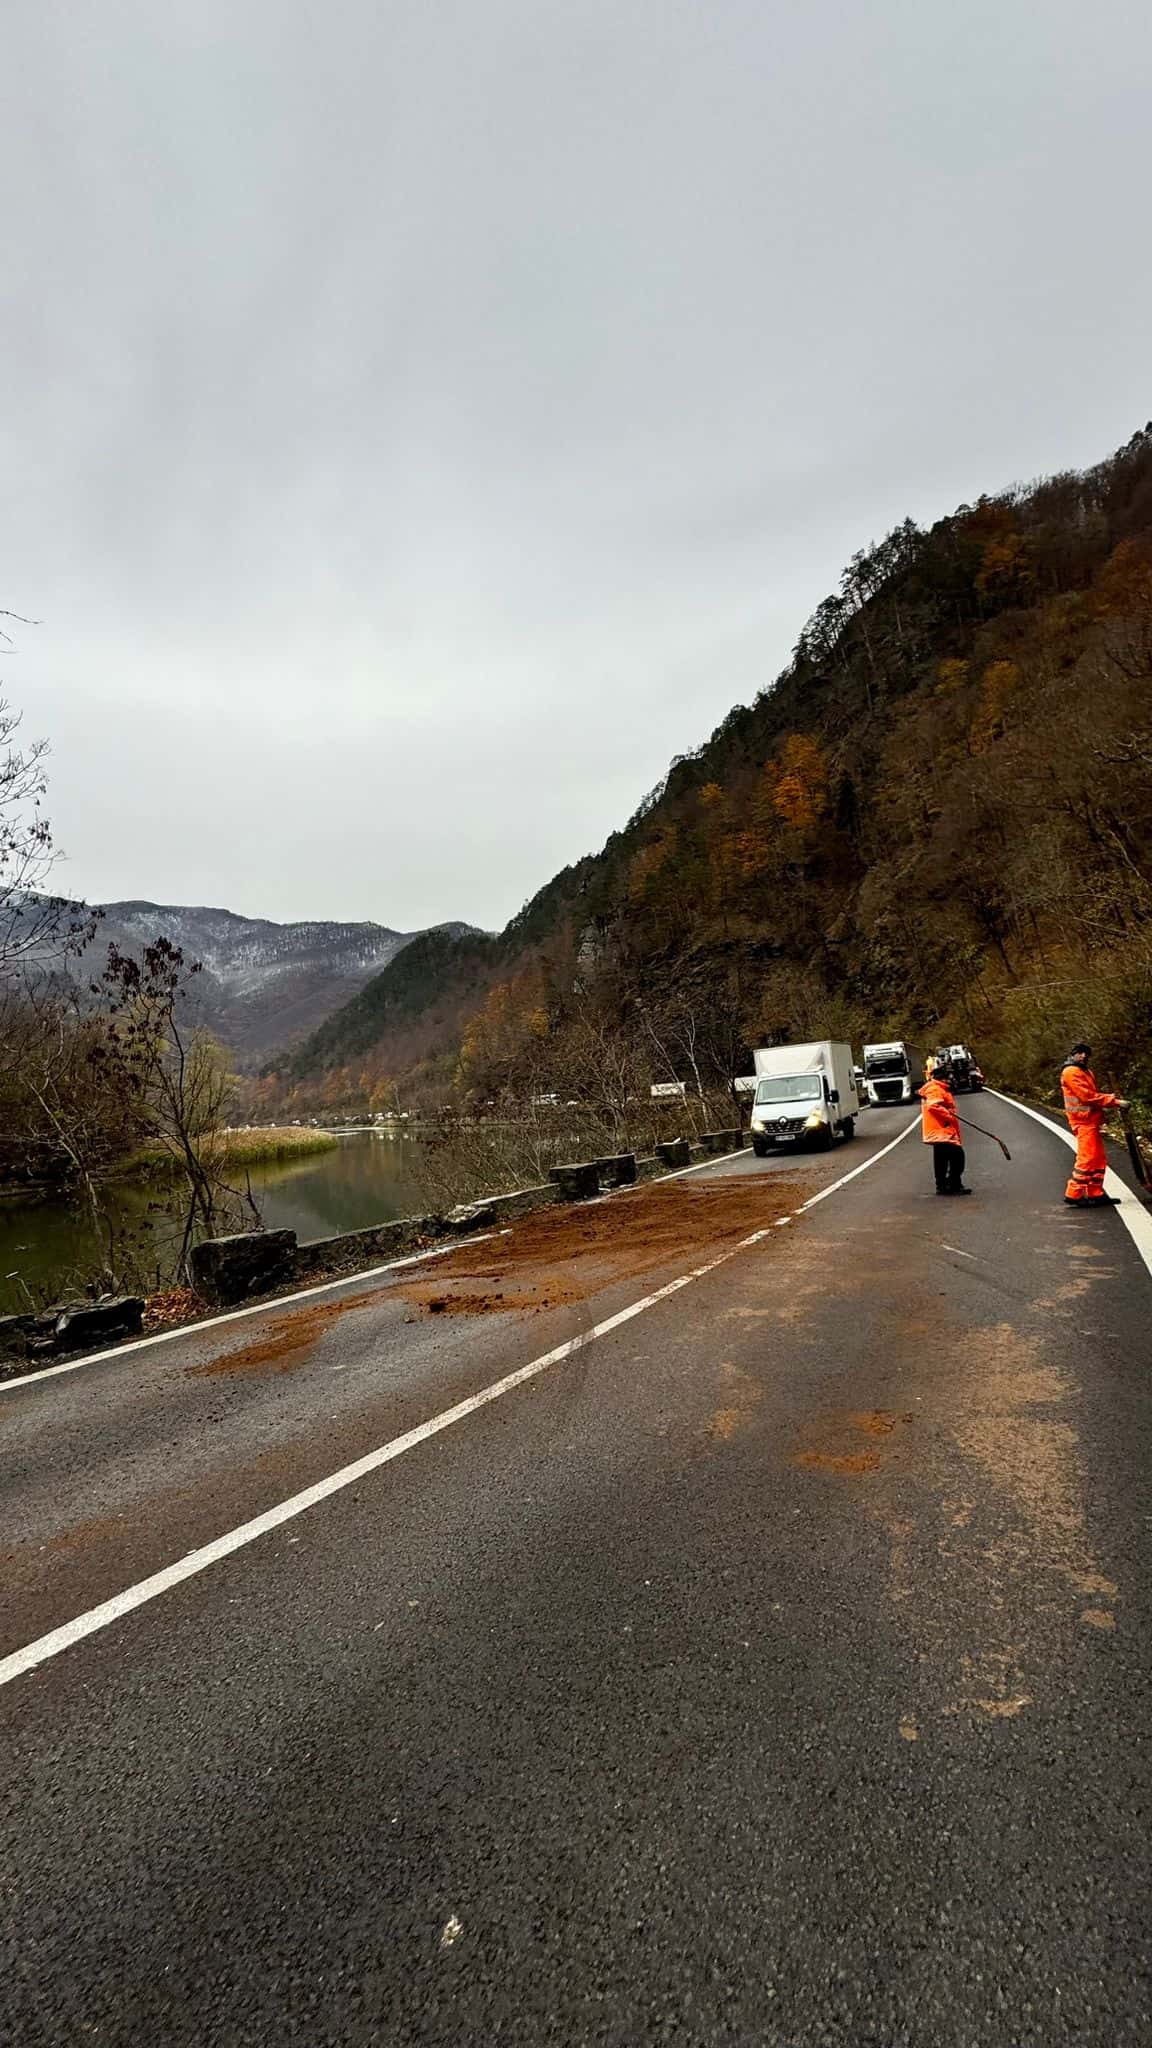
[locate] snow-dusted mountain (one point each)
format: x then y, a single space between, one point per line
263 985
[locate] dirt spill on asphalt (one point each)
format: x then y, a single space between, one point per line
551 1259
742 1395
282 1345
558 1257
870 1422
848 1462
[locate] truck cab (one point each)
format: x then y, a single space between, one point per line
889 1073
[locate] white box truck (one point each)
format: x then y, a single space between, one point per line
805 1095
890 1073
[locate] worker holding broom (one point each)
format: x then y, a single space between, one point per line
1084 1107
941 1129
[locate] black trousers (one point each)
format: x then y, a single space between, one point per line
947 1165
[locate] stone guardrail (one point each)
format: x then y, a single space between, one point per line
227 1270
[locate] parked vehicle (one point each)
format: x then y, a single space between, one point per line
889 1072
961 1063
805 1095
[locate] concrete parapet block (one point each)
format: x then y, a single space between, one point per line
616 1169
228 1269
577 1182
675 1152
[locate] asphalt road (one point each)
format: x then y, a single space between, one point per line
773 1668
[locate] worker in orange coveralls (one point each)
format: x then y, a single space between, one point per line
941 1129
1084 1106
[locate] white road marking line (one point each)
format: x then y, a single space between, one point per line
959 1254
1131 1211
248 1532
196 1561
863 1168
256 1308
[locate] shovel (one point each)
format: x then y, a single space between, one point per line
1134 1153
985 1134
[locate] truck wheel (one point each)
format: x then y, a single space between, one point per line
848 1127
760 1147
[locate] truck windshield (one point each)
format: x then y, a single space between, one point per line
885 1063
789 1088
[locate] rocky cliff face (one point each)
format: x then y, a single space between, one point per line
263 985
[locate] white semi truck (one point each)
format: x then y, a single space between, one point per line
805 1095
890 1073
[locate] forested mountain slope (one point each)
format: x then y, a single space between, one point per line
938 820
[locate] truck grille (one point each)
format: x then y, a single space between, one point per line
889 1091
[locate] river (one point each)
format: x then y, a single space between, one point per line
47 1248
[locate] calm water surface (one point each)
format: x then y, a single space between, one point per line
368 1177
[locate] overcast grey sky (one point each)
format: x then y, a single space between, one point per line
423 418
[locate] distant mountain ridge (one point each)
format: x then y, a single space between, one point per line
263 984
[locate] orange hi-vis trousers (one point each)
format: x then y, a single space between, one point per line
1091 1160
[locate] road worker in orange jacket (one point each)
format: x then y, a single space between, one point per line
940 1128
1084 1107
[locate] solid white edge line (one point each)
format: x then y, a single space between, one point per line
236 1315
196 1561
1130 1209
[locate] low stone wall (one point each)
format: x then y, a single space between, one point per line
502 1208
577 1182
616 1169
72 1326
229 1269
324 1256
650 1167
358 1248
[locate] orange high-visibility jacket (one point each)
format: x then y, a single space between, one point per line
941 1125
1084 1102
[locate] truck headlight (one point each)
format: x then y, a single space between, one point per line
813 1122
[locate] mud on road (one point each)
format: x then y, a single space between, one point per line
558 1256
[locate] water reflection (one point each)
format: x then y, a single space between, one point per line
369 1177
